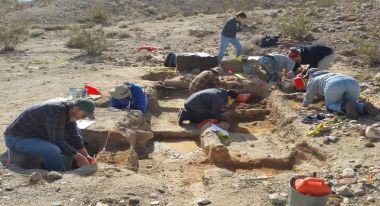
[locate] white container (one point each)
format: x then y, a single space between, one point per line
77 92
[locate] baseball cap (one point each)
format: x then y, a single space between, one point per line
87 106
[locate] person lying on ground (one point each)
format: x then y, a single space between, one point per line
228 35
316 56
129 96
273 64
205 104
206 79
341 93
49 129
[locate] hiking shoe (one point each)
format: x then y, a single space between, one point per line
181 117
370 109
350 109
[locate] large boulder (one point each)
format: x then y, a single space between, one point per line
152 95
373 132
179 82
258 88
115 128
213 148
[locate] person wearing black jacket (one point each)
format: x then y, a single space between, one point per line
205 104
316 56
228 35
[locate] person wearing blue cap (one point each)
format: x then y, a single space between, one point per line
48 130
341 93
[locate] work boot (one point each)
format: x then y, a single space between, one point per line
181 116
370 109
349 108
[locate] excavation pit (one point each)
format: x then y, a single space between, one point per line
256 143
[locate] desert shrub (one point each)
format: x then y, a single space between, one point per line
111 33
11 6
237 5
294 26
35 26
124 35
122 25
12 35
325 3
36 33
97 14
368 51
93 41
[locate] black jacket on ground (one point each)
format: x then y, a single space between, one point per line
231 27
207 103
312 54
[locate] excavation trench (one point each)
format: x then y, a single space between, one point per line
255 141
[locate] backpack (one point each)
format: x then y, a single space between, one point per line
268 41
170 59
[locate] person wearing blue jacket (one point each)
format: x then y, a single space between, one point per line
228 35
129 96
341 93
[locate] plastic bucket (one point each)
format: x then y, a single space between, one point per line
299 199
77 92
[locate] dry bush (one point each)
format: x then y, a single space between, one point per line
93 41
111 33
97 14
12 35
294 26
325 3
238 5
122 25
11 6
368 51
124 35
36 32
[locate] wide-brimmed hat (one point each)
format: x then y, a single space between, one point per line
218 70
121 91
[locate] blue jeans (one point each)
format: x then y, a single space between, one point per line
224 41
339 90
50 153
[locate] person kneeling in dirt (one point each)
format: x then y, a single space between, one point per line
316 56
341 93
205 104
129 96
49 129
273 64
206 80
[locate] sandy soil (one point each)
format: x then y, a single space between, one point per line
43 68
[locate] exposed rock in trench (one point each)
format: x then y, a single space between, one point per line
116 129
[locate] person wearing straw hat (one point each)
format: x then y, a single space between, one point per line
49 129
129 96
341 93
206 79
273 64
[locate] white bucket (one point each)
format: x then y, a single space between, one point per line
77 92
